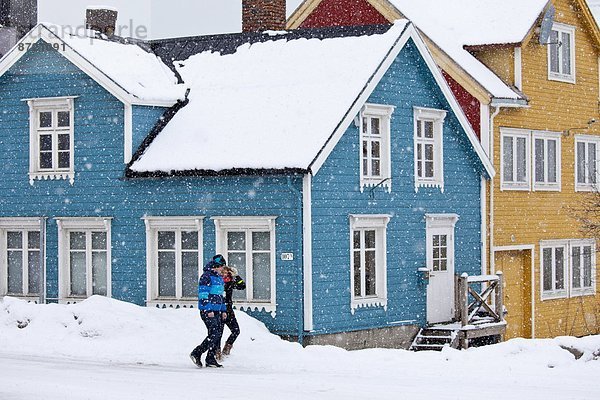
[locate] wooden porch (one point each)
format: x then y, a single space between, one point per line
479 313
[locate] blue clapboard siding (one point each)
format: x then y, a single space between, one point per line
144 118
336 194
100 190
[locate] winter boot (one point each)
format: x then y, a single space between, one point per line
213 364
218 355
196 360
227 349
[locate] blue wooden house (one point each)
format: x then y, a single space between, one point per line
333 168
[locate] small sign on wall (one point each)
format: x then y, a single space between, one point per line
287 256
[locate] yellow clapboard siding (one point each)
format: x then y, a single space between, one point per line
526 218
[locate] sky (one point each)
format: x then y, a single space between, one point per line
160 18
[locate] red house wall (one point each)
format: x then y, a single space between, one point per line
343 13
468 103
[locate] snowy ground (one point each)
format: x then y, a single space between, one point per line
105 349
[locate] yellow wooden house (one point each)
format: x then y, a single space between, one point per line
527 75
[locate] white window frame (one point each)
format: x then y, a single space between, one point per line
546 137
587 186
84 224
225 224
24 225
384 114
560 76
177 224
53 105
421 114
378 223
514 134
569 291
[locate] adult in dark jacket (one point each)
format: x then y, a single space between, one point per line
232 281
211 304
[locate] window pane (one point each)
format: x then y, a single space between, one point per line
357 281
443 265
64 119
428 125
547 260
375 124
559 254
166 240
376 171
189 240
429 169
375 149
77 240
591 163
436 265
539 160
46 119
189 260
369 239
33 240
356 240
419 128
554 60
587 266
580 162
45 143
99 241
15 272
236 240
521 160
166 273
443 240
566 53
552 178
64 142
77 270
33 270
64 159
370 273
365 148
507 166
364 124
261 241
238 261
576 266
429 152
99 273
261 276
14 240
45 160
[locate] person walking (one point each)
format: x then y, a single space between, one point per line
232 281
211 304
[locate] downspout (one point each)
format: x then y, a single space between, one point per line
492 264
299 252
43 286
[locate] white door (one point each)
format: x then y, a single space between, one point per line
440 262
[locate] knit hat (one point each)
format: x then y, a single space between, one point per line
219 261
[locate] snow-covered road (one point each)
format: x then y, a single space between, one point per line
105 349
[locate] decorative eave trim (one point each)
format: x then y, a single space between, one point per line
212 173
590 21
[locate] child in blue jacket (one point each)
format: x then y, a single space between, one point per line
211 304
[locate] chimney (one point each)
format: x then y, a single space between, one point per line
101 19
17 17
263 15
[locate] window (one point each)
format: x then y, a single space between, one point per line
51 138
561 53
568 268
84 253
546 160
174 260
20 262
368 273
586 162
375 145
249 246
515 159
428 145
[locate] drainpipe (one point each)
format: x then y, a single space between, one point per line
42 288
492 263
299 253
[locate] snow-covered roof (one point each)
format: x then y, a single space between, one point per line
453 24
270 105
135 70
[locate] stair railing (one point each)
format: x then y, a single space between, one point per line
470 309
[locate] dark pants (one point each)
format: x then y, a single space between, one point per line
214 326
233 326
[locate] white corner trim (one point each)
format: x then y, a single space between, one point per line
128 134
518 68
307 250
